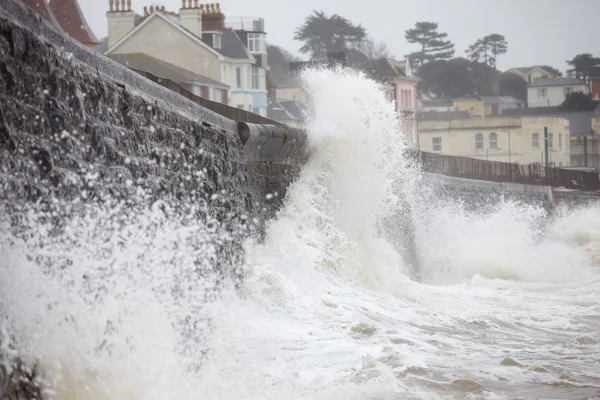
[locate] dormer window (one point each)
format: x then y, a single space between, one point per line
256 43
216 40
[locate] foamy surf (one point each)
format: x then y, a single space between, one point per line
507 306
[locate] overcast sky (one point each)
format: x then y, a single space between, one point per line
538 31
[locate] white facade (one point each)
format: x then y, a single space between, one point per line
552 92
238 76
488 139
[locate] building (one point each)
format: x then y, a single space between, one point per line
473 104
583 143
67 16
426 103
403 83
594 76
286 86
496 105
196 40
532 74
195 83
552 92
251 31
508 139
290 113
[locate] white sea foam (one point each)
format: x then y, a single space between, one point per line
507 305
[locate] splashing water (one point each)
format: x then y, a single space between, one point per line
114 307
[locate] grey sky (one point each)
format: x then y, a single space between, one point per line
538 31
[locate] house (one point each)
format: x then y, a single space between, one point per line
403 83
290 113
473 104
508 139
286 86
552 92
594 76
251 31
427 103
67 16
496 105
532 74
396 75
196 40
195 83
584 147
442 115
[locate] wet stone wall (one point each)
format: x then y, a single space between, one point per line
69 130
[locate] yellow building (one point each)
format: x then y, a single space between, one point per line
472 104
508 139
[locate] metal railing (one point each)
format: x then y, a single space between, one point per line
534 174
252 24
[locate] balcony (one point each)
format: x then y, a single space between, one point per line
250 24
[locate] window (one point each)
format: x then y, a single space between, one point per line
567 142
560 140
256 43
238 77
568 91
535 140
255 78
550 140
488 110
216 40
472 111
542 93
436 143
493 140
240 106
218 96
250 107
479 141
256 110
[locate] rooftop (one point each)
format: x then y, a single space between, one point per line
162 69
442 115
580 121
568 81
501 100
66 15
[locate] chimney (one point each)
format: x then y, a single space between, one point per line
121 20
190 16
213 19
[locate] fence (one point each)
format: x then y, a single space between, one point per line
534 174
233 113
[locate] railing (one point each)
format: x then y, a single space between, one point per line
534 174
235 114
252 24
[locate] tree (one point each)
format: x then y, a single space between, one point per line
322 34
487 49
372 49
445 79
434 45
513 85
482 75
581 64
578 101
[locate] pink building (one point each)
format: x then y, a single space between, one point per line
403 85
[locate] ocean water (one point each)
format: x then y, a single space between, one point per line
133 307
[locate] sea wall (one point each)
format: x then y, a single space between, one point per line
77 128
74 124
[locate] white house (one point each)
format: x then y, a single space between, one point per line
195 40
507 139
552 92
532 74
